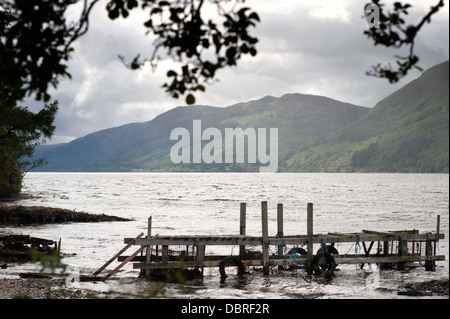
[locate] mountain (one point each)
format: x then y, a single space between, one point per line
146 146
84 151
408 131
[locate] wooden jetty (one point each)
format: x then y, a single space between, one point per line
156 253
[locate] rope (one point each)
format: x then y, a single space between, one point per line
234 245
357 246
295 247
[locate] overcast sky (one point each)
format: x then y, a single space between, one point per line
305 46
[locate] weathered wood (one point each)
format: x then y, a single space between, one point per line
191 264
272 240
200 260
242 226
389 259
149 248
366 251
438 221
265 243
116 256
280 230
283 262
310 234
123 263
201 256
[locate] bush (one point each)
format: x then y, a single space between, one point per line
10 176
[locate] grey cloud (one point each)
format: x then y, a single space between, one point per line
298 52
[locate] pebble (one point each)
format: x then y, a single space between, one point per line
36 289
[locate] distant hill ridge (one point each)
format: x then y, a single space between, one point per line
405 132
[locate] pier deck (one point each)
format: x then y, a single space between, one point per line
386 248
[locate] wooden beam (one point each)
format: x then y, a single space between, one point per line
288 261
116 255
389 259
242 227
149 248
265 243
123 263
310 234
256 241
280 231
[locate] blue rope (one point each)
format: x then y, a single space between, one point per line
295 247
357 246
283 243
232 247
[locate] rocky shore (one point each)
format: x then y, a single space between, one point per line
14 248
52 289
426 288
36 289
21 215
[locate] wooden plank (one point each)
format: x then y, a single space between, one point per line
377 232
117 255
280 233
342 234
123 263
265 244
366 251
310 235
148 250
200 255
175 258
288 261
242 226
255 240
192 264
199 240
389 259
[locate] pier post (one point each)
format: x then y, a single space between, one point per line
148 250
201 257
430 265
309 233
438 222
280 231
242 226
265 235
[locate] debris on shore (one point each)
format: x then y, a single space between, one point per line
17 248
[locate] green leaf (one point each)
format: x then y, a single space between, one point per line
171 73
200 87
190 99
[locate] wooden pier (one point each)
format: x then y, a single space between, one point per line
156 253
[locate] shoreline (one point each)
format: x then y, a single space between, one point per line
18 288
50 288
25 215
